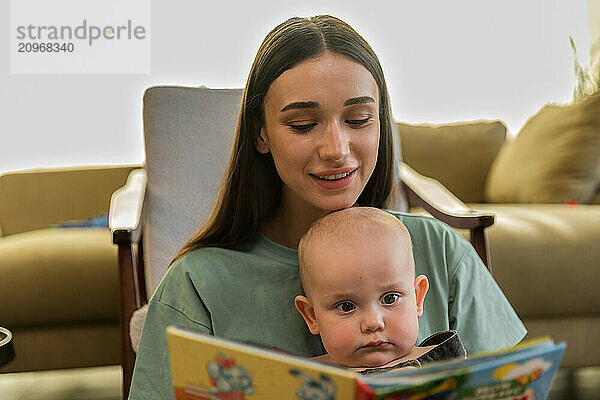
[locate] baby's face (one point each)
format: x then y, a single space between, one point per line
363 295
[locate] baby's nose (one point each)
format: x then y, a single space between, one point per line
372 321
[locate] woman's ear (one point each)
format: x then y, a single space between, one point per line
421 287
305 308
262 142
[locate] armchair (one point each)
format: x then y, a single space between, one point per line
58 286
188 136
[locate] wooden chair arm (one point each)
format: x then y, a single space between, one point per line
125 219
439 201
126 206
443 205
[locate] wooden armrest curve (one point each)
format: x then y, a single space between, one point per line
126 207
440 202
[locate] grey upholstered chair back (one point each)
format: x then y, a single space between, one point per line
188 134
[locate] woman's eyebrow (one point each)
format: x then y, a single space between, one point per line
313 104
300 104
359 100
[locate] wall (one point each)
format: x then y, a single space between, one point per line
444 61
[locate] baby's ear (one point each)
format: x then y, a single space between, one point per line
421 287
305 308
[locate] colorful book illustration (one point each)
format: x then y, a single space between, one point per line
212 368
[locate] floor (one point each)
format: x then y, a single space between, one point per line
98 383
104 383
576 384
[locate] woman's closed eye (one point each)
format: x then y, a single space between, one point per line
358 122
302 127
345 306
305 127
390 299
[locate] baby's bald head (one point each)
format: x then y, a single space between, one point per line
349 228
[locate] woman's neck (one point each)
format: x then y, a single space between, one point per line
288 224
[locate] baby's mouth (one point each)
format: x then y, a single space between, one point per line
376 345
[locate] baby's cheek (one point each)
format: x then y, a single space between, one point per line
406 332
339 340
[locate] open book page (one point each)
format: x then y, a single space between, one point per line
525 372
208 367
212 368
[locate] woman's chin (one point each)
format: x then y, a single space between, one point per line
334 204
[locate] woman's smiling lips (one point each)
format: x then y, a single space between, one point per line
335 179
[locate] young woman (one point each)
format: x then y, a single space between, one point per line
313 135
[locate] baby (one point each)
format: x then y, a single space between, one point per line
362 297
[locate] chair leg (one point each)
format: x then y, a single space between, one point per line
127 266
479 241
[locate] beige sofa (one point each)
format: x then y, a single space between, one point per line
59 291
544 188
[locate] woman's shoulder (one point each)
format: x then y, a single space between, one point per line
198 272
423 224
205 278
207 261
205 255
435 242
259 251
216 264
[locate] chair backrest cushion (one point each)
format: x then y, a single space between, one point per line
188 135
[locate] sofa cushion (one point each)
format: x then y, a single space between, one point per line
58 276
34 199
458 155
66 346
577 332
533 248
554 159
596 199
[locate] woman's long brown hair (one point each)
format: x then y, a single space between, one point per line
251 188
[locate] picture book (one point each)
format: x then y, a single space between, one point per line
212 368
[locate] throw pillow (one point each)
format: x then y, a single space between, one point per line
457 155
554 159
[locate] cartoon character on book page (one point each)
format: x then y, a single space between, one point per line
323 389
229 381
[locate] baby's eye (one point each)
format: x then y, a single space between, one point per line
390 298
345 306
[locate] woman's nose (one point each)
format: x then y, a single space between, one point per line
335 143
372 321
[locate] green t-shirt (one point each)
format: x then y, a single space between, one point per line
249 296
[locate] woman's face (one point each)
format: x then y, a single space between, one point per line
322 130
